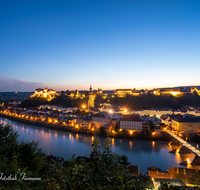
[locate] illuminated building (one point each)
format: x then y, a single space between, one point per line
100 119
99 91
192 90
155 172
185 123
131 122
123 92
168 91
46 93
91 98
188 175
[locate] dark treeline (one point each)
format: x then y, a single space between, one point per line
64 101
33 102
152 101
132 102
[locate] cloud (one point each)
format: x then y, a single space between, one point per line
12 85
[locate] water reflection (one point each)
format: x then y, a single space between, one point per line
153 143
65 144
131 144
113 141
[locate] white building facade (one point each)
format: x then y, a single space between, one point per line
131 122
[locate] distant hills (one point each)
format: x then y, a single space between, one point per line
82 91
198 87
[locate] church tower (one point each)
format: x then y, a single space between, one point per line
91 98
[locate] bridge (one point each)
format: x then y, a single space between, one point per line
184 143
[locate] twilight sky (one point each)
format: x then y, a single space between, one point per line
109 44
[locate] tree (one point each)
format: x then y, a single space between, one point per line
134 90
117 127
104 171
62 93
33 102
151 125
64 101
174 103
6 104
17 158
68 92
124 159
81 112
181 89
102 131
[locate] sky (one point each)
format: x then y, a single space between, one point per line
109 44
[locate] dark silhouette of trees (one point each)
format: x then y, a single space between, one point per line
102 131
62 93
151 125
33 102
157 102
81 112
117 127
104 170
181 89
64 101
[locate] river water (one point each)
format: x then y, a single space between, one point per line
65 144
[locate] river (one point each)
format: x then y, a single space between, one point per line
65 144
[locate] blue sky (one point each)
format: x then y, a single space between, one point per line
107 44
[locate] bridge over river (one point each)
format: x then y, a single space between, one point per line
184 143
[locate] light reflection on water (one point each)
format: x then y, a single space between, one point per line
65 144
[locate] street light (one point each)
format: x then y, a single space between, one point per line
83 106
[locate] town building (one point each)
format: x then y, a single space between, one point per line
131 122
99 91
101 119
91 98
192 90
168 91
155 172
123 92
188 175
185 123
170 177
166 119
46 93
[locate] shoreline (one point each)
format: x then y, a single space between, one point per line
70 129
38 123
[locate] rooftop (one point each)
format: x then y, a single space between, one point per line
131 118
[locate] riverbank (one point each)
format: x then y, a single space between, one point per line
66 144
139 136
39 123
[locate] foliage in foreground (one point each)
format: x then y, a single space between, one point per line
18 159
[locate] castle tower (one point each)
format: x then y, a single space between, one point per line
91 98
